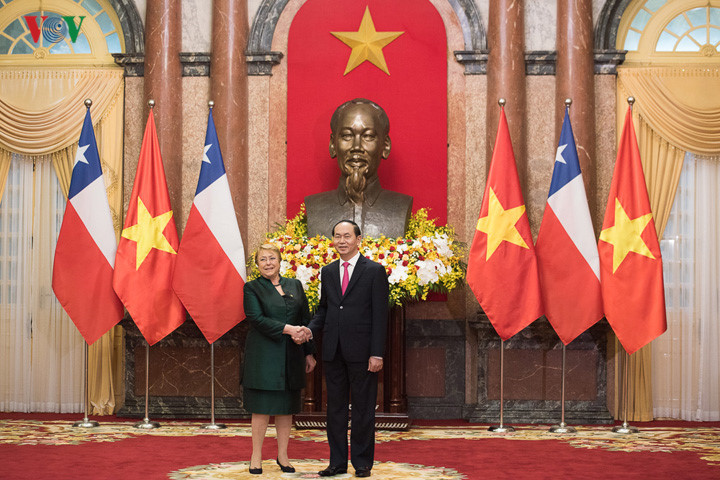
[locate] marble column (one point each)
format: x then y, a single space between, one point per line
574 79
229 91
506 76
163 83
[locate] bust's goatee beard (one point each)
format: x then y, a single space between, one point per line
355 183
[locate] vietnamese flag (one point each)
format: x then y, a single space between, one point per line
148 248
631 273
502 268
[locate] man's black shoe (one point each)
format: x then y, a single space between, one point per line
362 472
332 471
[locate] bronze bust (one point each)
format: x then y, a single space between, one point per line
359 140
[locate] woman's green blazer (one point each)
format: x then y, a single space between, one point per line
269 354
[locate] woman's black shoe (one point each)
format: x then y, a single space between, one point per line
256 471
285 469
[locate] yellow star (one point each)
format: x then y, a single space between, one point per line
148 233
366 44
499 225
625 237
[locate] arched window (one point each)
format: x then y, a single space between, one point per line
670 31
52 31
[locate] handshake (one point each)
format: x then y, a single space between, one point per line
300 334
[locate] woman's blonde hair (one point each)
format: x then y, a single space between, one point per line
268 247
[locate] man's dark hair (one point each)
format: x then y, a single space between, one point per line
356 227
383 120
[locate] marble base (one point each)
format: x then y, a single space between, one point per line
435 368
179 379
537 412
533 366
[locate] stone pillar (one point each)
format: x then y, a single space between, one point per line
506 76
575 79
229 91
163 83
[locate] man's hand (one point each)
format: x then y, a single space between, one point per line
310 363
375 364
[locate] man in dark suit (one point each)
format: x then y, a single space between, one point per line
352 317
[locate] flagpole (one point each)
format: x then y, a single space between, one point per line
146 423
501 428
212 425
85 422
562 427
625 427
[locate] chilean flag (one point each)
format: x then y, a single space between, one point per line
210 269
86 246
568 260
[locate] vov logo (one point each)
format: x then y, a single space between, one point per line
53 28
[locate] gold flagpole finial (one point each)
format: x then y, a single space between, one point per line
151 103
211 104
501 102
88 103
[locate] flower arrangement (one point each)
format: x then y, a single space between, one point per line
428 259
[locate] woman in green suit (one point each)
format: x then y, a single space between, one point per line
276 359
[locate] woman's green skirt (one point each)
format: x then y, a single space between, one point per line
271 402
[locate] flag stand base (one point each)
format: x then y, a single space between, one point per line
625 428
562 428
85 423
146 424
214 426
501 429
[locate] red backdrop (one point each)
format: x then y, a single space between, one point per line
414 96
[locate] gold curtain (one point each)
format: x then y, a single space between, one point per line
42 112
681 104
677 109
5 157
40 109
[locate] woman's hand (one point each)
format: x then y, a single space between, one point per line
310 363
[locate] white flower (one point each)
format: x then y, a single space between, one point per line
427 272
441 244
284 267
303 274
398 274
402 248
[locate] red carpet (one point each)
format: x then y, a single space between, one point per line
46 447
